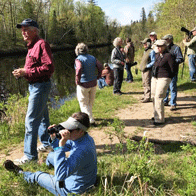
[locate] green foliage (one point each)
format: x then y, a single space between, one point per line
60 22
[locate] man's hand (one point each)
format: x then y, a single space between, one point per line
19 72
65 135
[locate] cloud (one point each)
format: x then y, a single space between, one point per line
123 14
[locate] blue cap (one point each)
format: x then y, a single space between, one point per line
28 22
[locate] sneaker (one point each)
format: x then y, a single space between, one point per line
166 104
173 107
23 160
93 124
10 166
43 148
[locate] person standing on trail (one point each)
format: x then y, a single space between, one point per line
146 64
118 61
37 71
153 38
130 53
177 54
162 72
88 70
191 52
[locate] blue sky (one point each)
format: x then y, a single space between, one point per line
126 10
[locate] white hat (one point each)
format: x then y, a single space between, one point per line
153 33
72 124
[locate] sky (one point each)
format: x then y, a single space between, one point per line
126 10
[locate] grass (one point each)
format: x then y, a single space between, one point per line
129 168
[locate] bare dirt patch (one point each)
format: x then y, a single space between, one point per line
137 119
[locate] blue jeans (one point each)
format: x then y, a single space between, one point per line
173 89
102 83
46 181
129 74
192 68
37 118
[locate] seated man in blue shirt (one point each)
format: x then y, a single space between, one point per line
74 174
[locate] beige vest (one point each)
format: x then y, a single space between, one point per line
145 59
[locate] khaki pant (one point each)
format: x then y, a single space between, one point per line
146 80
86 97
159 88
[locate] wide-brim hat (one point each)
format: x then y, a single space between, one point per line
146 40
27 23
160 42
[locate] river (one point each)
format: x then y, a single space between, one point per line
63 79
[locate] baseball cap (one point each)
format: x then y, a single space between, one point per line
194 29
168 36
72 124
153 33
160 42
146 40
28 22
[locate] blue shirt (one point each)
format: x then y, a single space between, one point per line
152 58
79 170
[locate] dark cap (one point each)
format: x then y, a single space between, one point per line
28 23
146 40
168 36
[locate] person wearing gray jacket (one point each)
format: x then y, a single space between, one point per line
118 61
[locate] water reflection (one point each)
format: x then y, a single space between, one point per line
63 79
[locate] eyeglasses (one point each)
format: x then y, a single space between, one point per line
72 130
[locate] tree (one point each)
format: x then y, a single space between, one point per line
143 20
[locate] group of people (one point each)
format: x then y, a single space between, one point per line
77 172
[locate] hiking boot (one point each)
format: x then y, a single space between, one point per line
157 123
145 100
10 166
118 93
173 107
166 104
43 148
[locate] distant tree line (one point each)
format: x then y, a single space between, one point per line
60 21
69 22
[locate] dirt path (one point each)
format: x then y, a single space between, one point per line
137 118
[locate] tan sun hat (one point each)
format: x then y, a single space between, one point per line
160 42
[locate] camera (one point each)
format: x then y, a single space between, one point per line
134 63
189 33
56 130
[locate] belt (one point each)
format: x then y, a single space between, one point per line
39 81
